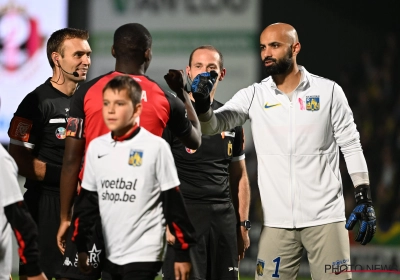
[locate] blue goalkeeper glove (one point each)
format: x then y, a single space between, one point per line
201 88
364 213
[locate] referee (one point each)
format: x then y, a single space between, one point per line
212 177
37 137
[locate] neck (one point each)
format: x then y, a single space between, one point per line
130 68
289 81
124 133
59 82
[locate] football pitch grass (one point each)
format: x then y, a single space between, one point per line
15 277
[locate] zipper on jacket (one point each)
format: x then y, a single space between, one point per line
291 151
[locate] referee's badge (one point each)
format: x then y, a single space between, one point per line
260 267
312 103
135 158
229 148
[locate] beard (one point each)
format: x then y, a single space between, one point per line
280 66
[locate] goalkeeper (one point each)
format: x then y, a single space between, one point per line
299 121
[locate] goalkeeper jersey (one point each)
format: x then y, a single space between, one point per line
297 144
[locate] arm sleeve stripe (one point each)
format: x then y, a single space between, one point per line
21 244
23 144
179 235
76 224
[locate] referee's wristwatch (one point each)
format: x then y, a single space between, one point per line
246 224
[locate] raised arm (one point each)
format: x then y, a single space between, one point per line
192 139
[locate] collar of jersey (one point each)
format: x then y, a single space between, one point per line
304 80
129 135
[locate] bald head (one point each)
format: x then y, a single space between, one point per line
279 45
285 31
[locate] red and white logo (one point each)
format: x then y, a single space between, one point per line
19 34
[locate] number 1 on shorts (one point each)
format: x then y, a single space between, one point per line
278 262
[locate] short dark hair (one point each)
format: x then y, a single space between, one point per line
131 40
133 89
211 48
56 40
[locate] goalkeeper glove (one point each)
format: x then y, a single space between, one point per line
201 88
364 213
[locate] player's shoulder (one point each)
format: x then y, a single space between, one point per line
41 92
316 80
85 87
151 139
102 140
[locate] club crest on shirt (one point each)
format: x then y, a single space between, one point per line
61 133
190 151
260 267
312 103
135 158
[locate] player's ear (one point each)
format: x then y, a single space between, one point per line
137 110
112 51
188 71
222 74
147 54
54 57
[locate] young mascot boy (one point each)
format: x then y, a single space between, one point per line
131 179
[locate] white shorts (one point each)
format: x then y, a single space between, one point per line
280 251
5 253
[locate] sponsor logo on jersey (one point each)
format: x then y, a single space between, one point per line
93 257
229 148
233 268
20 129
135 158
312 103
260 267
67 262
190 151
267 106
61 133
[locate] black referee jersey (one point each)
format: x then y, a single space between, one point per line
39 123
203 173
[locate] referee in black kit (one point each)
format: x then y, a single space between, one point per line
214 185
37 135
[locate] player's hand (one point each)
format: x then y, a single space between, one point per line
62 235
243 242
170 237
175 81
41 276
83 263
202 86
182 270
363 213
